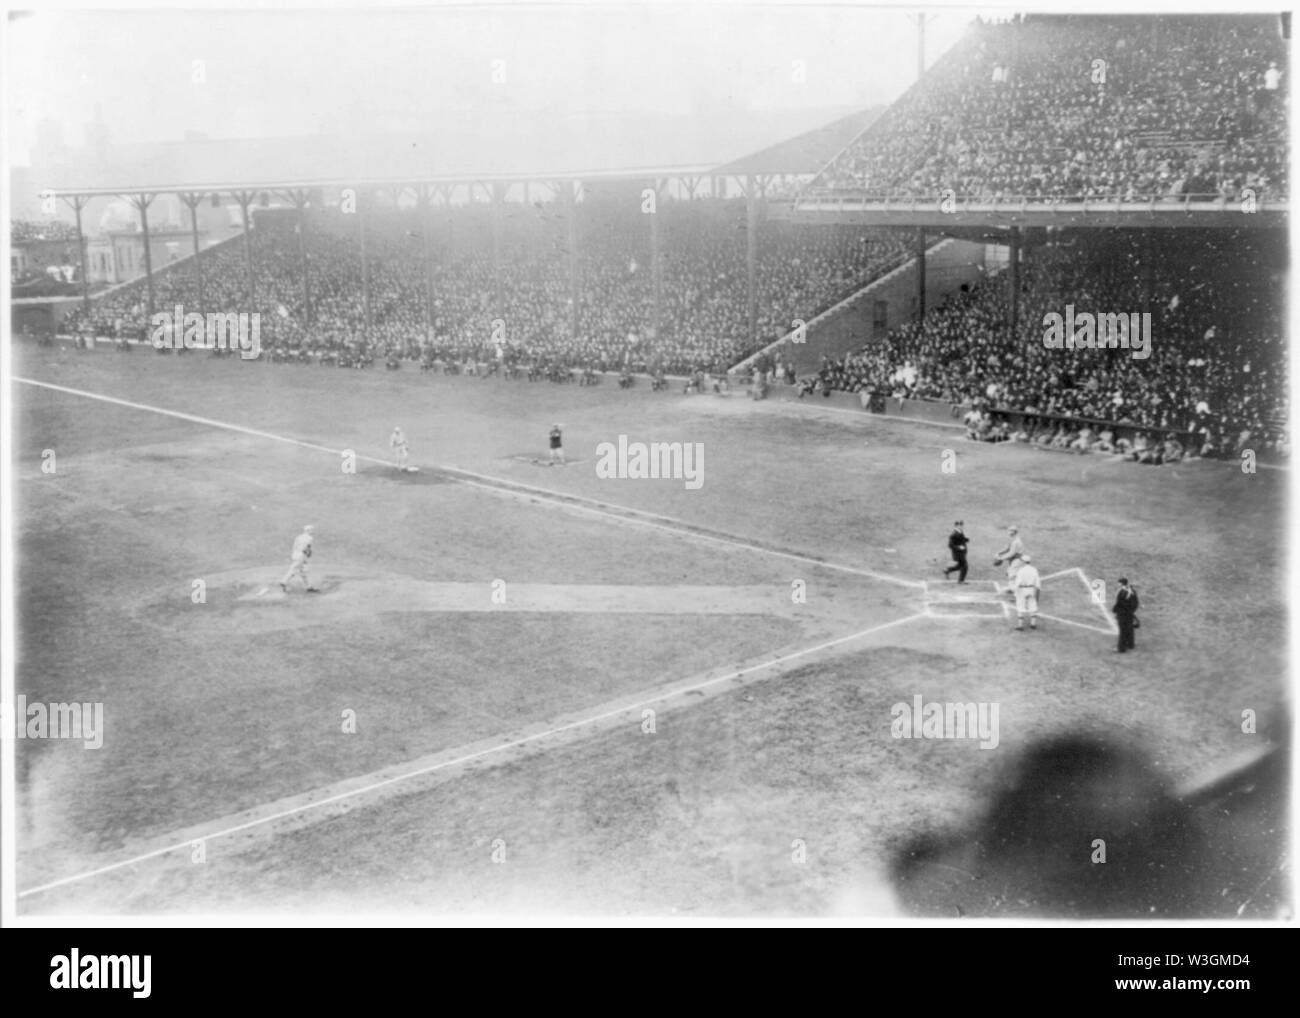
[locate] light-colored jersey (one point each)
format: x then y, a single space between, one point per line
398 441
300 545
1013 550
1028 577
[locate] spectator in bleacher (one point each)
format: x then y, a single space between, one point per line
1018 111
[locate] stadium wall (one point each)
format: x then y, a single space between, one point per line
852 325
39 315
950 415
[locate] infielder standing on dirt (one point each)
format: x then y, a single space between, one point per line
298 558
557 448
397 441
1028 586
1012 554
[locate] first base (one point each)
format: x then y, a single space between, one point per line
412 470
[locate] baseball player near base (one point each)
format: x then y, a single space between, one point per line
397 442
1028 586
1012 555
557 445
298 560
957 545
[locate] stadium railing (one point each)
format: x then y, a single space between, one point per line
1206 202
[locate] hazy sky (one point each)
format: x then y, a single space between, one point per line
155 74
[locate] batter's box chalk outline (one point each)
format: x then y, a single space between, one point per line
1110 627
943 602
966 610
951 590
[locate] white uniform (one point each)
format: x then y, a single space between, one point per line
1028 584
1011 555
398 444
298 560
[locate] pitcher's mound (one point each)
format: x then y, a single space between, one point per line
265 592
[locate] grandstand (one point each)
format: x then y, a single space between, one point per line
702 317
1071 139
596 281
1032 127
1081 108
884 281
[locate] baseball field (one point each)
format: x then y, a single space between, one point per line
530 689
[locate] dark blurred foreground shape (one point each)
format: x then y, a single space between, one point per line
1215 850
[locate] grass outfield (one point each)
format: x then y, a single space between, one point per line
501 759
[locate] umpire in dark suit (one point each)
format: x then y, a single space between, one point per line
1125 612
957 542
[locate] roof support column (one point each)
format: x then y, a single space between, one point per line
192 200
656 260
498 193
301 198
365 263
751 256
79 202
142 203
570 191
245 199
1014 275
920 274
424 201
1148 267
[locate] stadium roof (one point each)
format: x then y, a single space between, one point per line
482 147
808 152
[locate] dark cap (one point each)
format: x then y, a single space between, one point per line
959 524
1123 581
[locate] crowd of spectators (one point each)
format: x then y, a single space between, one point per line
1104 437
25 231
505 291
1068 107
1036 108
50 266
1217 365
